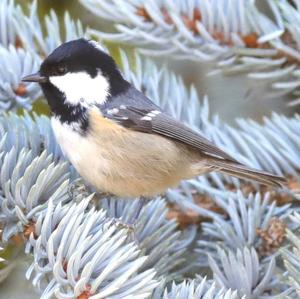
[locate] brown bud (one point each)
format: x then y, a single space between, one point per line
250 40
18 43
190 24
28 230
20 90
272 237
141 11
86 294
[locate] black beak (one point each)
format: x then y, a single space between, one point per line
35 78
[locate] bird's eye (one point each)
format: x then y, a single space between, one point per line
61 70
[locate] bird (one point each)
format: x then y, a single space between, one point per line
117 139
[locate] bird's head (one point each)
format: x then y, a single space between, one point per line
78 74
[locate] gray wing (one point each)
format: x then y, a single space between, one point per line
154 121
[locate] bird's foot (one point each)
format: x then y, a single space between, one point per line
77 188
123 225
130 228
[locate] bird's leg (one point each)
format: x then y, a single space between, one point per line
114 220
131 226
138 211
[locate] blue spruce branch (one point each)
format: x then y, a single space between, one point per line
243 271
233 34
15 64
30 33
158 238
78 251
198 288
291 257
245 219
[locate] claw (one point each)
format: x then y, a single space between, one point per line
131 229
77 188
122 225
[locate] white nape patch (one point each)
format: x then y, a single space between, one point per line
150 115
97 45
81 88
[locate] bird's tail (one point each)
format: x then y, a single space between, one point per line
245 172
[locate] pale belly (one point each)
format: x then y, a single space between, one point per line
126 163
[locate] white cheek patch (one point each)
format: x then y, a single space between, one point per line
81 88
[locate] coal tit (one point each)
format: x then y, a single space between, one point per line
116 137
